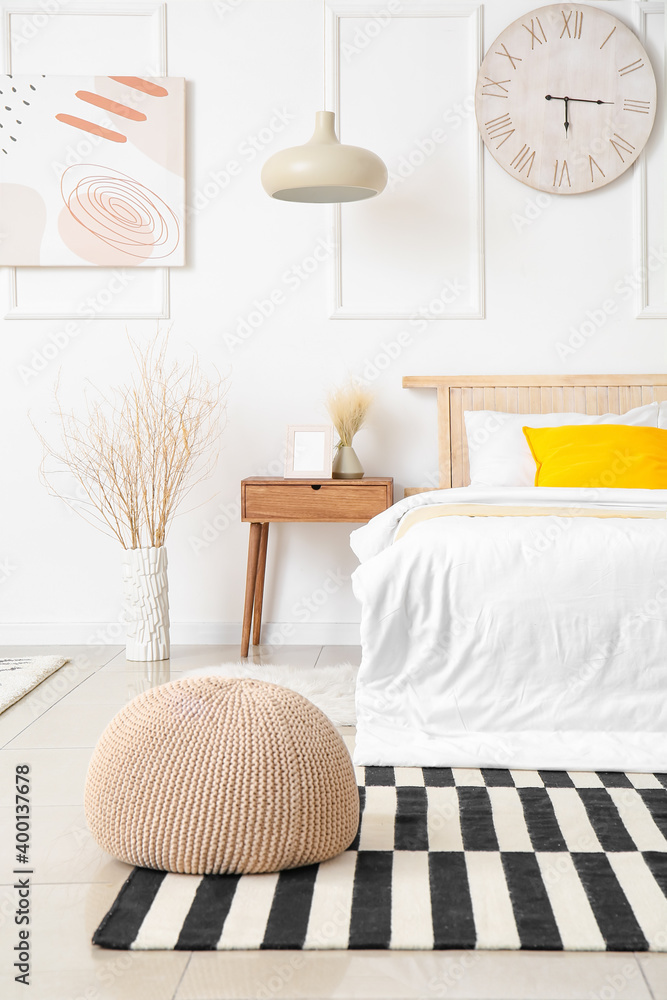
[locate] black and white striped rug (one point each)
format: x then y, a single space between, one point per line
463 858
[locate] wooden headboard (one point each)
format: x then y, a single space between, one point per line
523 394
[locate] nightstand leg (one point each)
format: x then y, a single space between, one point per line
259 585
250 584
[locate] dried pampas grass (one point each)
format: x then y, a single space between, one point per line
348 407
137 450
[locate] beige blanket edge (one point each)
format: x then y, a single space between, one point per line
421 514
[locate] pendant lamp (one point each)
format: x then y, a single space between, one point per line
323 169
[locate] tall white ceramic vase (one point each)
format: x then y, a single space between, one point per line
146 603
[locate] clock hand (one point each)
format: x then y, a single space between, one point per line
579 100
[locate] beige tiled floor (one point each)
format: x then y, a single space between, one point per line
54 729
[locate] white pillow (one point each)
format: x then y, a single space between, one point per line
498 451
662 415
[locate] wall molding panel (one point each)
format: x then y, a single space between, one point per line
40 17
153 305
363 47
651 203
36 304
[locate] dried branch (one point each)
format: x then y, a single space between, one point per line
138 450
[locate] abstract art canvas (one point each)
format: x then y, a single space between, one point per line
92 171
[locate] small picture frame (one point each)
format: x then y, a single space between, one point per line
309 451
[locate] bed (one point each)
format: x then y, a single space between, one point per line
509 625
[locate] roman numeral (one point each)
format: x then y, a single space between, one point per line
630 68
640 107
577 26
500 128
513 59
608 37
591 164
621 146
524 158
564 173
535 35
486 88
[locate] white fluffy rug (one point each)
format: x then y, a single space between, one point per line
330 688
20 674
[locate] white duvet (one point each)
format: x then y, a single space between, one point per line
526 642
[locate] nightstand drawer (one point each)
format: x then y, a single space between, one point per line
326 501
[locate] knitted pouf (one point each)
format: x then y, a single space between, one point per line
208 775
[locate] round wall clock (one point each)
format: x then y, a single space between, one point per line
566 98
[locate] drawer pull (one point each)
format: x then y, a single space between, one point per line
316 486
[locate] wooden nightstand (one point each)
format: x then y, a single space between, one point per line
266 499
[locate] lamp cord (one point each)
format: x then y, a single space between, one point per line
324 54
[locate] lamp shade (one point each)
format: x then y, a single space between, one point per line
324 170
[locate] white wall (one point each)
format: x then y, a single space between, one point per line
534 266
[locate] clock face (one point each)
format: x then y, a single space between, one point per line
566 98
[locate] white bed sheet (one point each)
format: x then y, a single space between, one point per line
517 642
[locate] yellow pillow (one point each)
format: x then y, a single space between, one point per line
608 455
